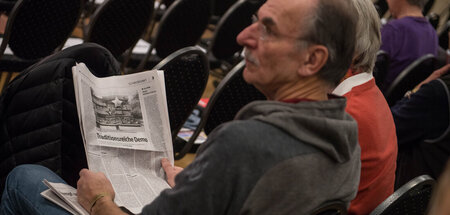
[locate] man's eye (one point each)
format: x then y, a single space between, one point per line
267 30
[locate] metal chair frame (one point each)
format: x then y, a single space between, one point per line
187 108
402 193
392 94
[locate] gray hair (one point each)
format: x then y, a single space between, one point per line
368 37
419 3
333 25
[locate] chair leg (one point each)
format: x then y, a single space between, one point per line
141 65
128 54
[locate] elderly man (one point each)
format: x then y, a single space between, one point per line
407 37
288 155
366 103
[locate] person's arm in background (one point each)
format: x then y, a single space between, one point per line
435 75
420 116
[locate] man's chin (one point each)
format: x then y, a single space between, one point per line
247 75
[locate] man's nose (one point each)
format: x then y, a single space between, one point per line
248 37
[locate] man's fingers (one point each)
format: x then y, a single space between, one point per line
83 171
165 163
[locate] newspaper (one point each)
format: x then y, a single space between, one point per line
65 196
125 128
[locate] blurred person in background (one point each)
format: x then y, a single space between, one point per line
423 130
406 38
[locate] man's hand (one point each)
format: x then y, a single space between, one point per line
91 186
171 171
435 75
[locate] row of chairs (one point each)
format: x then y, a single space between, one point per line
38 28
118 25
222 49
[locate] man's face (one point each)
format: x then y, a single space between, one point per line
271 44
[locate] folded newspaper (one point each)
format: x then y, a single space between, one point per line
125 128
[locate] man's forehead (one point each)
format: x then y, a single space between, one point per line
291 6
286 13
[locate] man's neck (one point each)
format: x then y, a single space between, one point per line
412 11
308 88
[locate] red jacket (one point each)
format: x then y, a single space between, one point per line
377 139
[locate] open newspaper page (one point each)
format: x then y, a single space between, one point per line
126 132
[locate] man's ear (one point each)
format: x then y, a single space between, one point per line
315 59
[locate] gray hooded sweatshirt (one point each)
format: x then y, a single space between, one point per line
274 158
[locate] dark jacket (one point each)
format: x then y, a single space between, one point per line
423 131
275 158
38 115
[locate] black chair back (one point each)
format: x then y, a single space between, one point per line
186 73
412 198
220 7
6 6
381 68
412 75
223 45
117 24
161 9
182 25
167 2
443 36
37 28
230 96
331 208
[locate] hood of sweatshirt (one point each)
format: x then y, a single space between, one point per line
322 124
